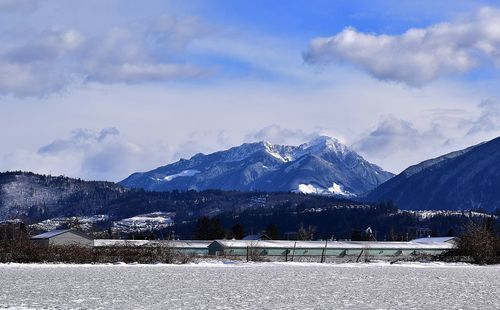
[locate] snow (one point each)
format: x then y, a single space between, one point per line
335 189
85 223
325 143
227 285
185 173
430 240
426 214
145 222
308 189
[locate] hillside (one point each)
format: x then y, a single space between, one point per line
462 180
33 196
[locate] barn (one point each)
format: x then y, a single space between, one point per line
62 237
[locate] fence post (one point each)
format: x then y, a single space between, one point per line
247 253
323 254
293 253
360 255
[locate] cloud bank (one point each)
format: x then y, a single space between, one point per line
279 135
18 5
41 62
90 154
489 118
419 55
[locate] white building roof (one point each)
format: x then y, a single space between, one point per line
57 232
430 240
167 243
331 244
50 234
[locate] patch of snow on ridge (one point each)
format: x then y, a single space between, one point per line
309 189
335 190
185 173
270 151
321 143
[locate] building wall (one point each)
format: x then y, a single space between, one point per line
217 248
40 242
70 238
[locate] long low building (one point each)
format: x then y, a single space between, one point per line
268 248
198 247
429 246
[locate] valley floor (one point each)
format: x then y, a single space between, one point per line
230 285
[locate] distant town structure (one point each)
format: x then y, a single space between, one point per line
256 237
62 237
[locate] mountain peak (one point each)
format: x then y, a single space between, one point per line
268 167
323 143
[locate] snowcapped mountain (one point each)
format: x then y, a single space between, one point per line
321 166
461 180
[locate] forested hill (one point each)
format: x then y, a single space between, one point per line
32 197
28 195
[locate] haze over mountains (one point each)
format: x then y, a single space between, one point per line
321 166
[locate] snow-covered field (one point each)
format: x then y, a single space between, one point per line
250 286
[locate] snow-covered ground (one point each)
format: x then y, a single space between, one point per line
145 222
250 286
85 223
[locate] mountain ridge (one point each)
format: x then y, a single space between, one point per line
461 180
321 164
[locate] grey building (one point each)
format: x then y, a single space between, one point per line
61 237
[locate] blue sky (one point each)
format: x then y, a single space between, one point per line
101 89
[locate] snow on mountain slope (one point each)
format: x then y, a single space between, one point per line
185 173
335 189
331 166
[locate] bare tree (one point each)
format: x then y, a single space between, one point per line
480 242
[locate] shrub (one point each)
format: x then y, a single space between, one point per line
479 242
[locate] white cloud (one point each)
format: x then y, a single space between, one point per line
48 45
18 5
29 80
489 118
37 66
396 143
393 134
419 55
277 134
98 154
144 53
139 73
39 63
89 154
